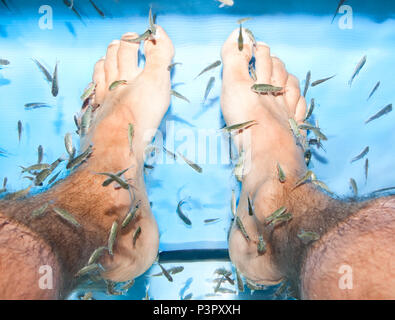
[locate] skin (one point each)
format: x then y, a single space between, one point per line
360 235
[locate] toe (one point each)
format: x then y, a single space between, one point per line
100 80
279 73
292 93
111 62
300 112
128 57
263 63
159 51
235 60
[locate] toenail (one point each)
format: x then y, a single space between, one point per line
114 42
261 43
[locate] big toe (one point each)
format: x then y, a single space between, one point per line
236 54
160 49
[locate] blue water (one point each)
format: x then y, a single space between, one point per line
299 32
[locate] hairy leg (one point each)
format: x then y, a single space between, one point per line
267 144
49 239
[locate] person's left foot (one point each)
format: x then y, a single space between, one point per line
141 99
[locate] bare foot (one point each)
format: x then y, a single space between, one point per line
142 101
270 142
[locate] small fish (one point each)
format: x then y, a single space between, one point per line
36 105
66 216
116 83
45 173
166 274
144 36
171 66
307 83
211 66
210 85
79 159
250 208
239 223
40 153
130 135
54 177
111 290
70 5
282 218
233 203
211 220
226 3
128 285
384 190
308 236
281 174
337 9
382 112
179 95
136 235
354 187
303 179
363 153
188 297
242 20
191 164
279 212
366 169
87 296
46 73
88 92
146 293
117 179
374 90
68 143
112 236
223 272
251 36
55 86
294 128
357 69
111 180
152 26
4 62
5 182
261 246
39 166
310 109
96 254
317 82
87 269
39 211
252 71
240 39
240 283
19 130
265 88
322 185
171 154
101 13
182 216
318 133
19 194
129 217
176 269
240 126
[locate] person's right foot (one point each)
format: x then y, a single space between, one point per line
271 142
